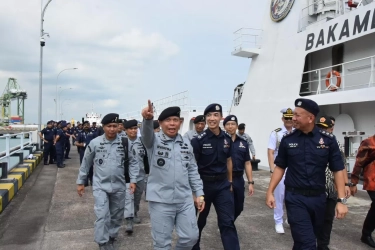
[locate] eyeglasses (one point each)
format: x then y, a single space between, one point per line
288 118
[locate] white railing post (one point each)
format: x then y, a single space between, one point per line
22 137
319 82
343 76
372 72
7 149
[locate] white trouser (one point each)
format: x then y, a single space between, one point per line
279 194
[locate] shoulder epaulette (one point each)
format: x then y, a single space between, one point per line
277 130
326 133
226 134
290 133
201 135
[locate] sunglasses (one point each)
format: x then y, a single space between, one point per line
288 118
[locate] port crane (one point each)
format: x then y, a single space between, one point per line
12 92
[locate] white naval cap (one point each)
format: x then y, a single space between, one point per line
285 109
287 112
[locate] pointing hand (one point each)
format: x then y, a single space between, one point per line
148 112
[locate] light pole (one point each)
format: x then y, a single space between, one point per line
59 95
61 106
57 81
42 44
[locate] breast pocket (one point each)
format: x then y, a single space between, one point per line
322 155
162 159
206 157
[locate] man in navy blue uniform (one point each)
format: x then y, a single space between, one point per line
212 150
60 144
83 140
241 163
68 134
94 128
306 152
48 135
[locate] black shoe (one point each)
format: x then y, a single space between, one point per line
68 158
323 248
62 166
111 241
46 163
51 162
368 240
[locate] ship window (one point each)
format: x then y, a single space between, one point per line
305 86
338 57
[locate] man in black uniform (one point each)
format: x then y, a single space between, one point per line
306 152
48 135
212 150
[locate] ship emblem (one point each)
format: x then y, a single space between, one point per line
321 142
280 9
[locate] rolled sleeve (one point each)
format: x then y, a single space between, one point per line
335 159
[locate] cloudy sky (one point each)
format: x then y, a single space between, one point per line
125 52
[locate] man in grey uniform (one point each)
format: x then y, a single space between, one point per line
132 201
107 154
241 132
199 124
173 177
120 131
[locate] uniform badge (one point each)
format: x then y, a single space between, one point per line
225 141
299 103
100 161
322 119
133 152
217 107
160 162
233 118
241 145
321 142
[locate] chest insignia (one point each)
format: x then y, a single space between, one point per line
208 145
321 142
293 145
100 161
241 145
160 162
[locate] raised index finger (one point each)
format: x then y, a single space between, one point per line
149 106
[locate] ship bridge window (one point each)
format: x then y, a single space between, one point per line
238 94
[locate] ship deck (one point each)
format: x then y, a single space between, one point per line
48 214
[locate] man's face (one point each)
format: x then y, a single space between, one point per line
94 124
86 126
213 119
68 126
55 124
49 125
110 130
199 126
157 130
132 132
288 122
120 127
241 131
231 127
333 126
170 126
65 128
302 118
80 126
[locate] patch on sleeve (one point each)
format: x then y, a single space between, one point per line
277 130
134 152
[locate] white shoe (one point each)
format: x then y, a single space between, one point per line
286 222
279 228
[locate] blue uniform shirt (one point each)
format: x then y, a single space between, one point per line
85 137
306 156
240 153
61 133
212 152
48 133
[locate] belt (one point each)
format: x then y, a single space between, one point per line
305 191
214 177
237 173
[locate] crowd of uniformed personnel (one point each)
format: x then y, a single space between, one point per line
184 174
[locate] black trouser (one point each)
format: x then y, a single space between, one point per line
67 149
324 235
369 224
48 151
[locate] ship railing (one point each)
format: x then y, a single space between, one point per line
309 14
8 148
354 74
247 38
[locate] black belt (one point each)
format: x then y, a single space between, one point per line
237 173
214 177
305 191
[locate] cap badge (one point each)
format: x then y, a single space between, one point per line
217 107
233 118
321 142
299 103
322 119
289 111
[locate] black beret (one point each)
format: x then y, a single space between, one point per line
325 122
49 122
199 118
230 118
109 118
168 112
156 124
214 107
308 105
241 126
131 123
63 124
93 122
85 122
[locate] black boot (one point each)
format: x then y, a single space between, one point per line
368 240
46 163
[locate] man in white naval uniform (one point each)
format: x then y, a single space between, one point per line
199 124
107 154
173 178
273 148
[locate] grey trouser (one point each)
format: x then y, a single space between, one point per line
164 217
132 201
109 208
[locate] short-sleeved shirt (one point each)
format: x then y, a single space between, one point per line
48 133
275 139
211 152
240 154
85 137
61 134
306 156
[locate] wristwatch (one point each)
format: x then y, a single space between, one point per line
342 200
250 182
350 184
